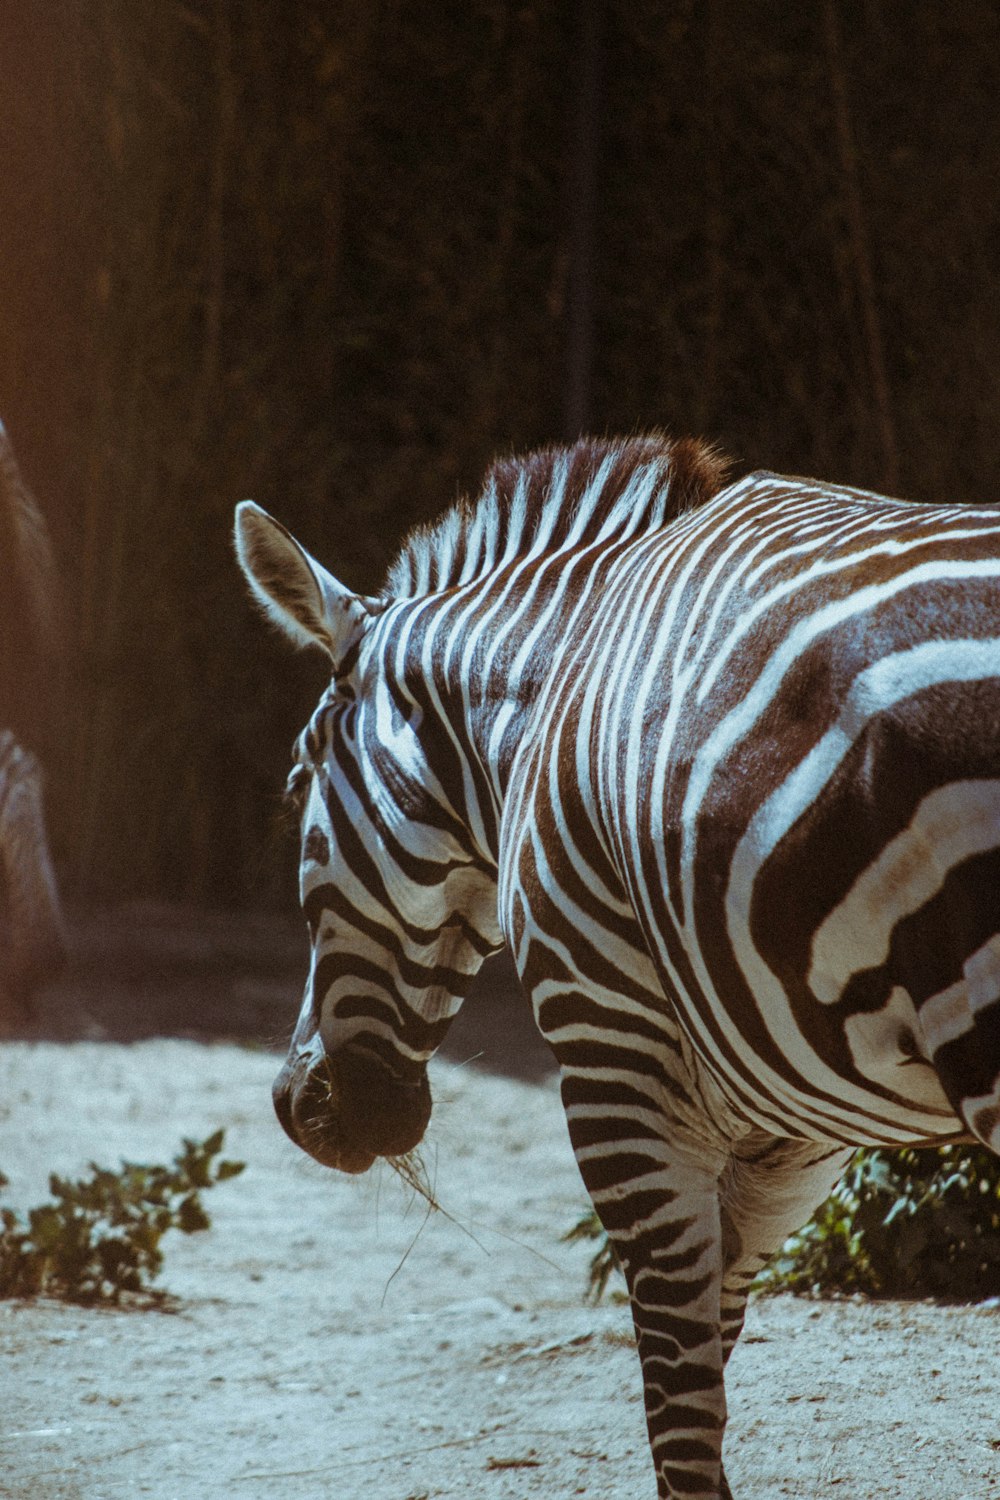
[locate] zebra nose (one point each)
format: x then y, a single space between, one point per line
306 1102
295 1094
281 1096
377 1110
345 1109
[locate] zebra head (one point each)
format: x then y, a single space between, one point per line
399 898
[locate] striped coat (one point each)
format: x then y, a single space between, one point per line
722 767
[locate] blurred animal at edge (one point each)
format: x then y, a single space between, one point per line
32 926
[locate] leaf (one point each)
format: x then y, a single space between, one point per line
48 1227
191 1217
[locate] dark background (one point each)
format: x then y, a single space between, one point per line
336 256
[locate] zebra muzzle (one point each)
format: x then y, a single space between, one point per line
346 1109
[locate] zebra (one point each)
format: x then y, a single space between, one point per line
720 763
32 927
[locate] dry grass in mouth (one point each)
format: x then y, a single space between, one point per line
412 1169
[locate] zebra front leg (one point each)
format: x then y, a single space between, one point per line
768 1189
662 1215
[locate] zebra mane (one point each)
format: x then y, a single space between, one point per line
556 497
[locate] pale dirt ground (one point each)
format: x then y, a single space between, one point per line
331 1343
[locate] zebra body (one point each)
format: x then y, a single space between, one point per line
722 767
32 930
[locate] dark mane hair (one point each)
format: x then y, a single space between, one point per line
556 495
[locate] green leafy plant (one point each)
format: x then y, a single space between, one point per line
100 1237
905 1223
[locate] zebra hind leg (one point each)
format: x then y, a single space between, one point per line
767 1191
690 1239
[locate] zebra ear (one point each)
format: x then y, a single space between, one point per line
295 591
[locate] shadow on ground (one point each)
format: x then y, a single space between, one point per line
145 969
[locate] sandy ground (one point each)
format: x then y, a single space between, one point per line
331 1340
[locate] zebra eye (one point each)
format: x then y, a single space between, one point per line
315 847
